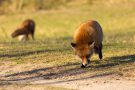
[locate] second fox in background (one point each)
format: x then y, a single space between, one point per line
26 29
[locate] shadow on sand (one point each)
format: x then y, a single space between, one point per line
72 69
22 54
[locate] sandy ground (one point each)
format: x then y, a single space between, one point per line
51 77
107 82
111 82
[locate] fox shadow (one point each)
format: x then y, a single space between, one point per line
55 72
113 61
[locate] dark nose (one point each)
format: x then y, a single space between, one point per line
83 66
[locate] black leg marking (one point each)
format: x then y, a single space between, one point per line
100 51
88 60
96 49
100 54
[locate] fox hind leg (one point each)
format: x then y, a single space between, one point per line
100 52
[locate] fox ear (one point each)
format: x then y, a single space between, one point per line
73 45
91 44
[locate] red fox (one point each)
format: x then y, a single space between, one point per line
88 39
26 28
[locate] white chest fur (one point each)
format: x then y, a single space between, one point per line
22 38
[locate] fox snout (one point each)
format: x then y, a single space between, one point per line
85 62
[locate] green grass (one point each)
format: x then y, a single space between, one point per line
52 49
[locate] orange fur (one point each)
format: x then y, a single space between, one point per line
88 32
88 39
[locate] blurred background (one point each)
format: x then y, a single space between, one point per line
59 18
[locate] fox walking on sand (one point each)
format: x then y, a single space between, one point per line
26 28
88 39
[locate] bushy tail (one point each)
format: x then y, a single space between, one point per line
19 32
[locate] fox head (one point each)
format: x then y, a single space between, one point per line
83 51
